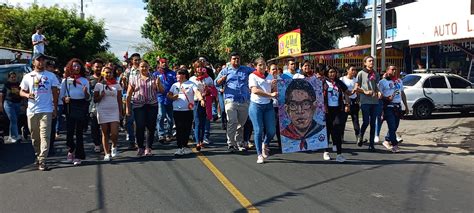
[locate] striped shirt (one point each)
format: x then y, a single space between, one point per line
145 91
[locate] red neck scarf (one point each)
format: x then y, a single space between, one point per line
76 79
111 81
203 75
259 74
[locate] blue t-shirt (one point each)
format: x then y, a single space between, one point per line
167 78
236 86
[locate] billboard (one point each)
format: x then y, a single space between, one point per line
301 113
289 43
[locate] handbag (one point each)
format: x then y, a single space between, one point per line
190 104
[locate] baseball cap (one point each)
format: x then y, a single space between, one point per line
40 55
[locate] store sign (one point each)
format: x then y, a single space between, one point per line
452 48
289 43
432 27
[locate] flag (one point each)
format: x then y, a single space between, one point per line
125 56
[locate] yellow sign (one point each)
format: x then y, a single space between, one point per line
289 43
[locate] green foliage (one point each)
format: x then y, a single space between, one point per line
187 29
68 35
106 56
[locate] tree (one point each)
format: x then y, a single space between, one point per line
189 28
68 35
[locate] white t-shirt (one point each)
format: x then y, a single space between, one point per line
263 84
390 87
39 84
185 92
39 48
74 92
350 83
333 94
201 84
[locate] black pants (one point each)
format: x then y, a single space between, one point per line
145 117
248 129
334 126
96 134
183 121
75 126
354 113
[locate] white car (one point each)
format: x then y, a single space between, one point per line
428 92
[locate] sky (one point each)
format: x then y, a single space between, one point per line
123 19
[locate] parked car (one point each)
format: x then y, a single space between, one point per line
20 70
431 91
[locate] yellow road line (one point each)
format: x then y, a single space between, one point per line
227 184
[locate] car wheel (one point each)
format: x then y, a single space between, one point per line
422 110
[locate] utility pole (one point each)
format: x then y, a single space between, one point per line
82 9
373 46
383 30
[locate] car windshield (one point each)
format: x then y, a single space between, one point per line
410 80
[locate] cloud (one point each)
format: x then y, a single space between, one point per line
123 18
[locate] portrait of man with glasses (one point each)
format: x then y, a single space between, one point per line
303 132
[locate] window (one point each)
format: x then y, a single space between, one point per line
410 80
458 83
435 82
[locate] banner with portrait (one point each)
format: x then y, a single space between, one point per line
301 113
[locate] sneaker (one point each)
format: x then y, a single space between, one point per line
97 149
70 157
372 148
148 152
168 139
399 139
127 137
260 159
187 151
340 158
395 149
77 162
231 149
199 146
107 157
114 152
42 167
206 141
334 148
242 149
179 152
376 139
387 145
12 140
250 145
326 156
140 152
361 141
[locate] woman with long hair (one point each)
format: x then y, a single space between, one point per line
203 106
75 94
11 95
142 99
261 110
334 96
108 99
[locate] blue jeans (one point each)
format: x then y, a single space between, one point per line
392 122
369 116
12 109
379 121
165 111
263 118
199 122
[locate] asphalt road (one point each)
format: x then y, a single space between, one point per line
421 178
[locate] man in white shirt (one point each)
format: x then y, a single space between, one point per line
38 40
41 88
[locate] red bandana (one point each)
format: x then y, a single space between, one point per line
111 81
259 74
203 75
